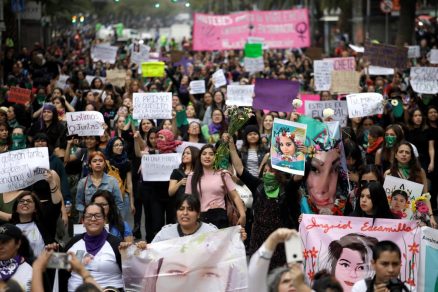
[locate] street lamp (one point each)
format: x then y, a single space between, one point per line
187 4
157 5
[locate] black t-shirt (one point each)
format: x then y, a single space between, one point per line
178 174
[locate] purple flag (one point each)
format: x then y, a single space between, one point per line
275 95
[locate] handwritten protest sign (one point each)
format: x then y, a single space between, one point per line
386 55
413 52
19 95
253 65
275 95
316 108
22 168
305 97
428 269
140 54
287 136
424 79
278 29
104 53
240 95
212 261
377 70
219 78
364 104
398 190
322 74
345 81
433 56
152 69
197 86
90 79
343 64
159 167
152 105
85 123
185 144
62 81
116 77
355 237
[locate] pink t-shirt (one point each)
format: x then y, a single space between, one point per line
213 190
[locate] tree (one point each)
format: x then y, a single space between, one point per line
406 24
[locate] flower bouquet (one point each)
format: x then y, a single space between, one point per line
421 210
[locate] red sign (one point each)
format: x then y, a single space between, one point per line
19 95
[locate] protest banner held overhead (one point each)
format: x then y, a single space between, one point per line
316 108
275 95
240 95
219 78
22 168
197 87
279 29
152 105
19 95
85 123
152 69
323 75
387 56
364 104
104 52
424 79
345 81
159 167
116 77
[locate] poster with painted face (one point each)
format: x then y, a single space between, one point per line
400 194
213 261
343 246
287 141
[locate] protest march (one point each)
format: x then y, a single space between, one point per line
245 157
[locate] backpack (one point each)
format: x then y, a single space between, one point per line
114 172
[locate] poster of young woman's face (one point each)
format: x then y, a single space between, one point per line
287 141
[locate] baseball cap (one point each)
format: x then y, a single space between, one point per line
9 231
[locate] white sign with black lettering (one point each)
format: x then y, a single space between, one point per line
253 65
197 87
424 79
85 123
219 78
364 104
413 52
322 75
104 53
152 105
159 167
22 168
316 108
240 95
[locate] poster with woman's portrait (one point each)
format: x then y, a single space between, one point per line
401 193
287 143
213 261
343 246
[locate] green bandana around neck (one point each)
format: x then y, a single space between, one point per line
18 142
404 169
390 141
271 185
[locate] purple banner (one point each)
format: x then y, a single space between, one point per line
275 95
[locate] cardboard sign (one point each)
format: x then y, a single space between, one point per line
279 29
428 270
287 137
22 168
322 75
85 123
275 95
152 69
377 70
345 81
413 52
316 108
424 79
218 78
253 65
197 87
159 167
330 241
152 105
139 54
116 77
395 186
386 55
433 57
19 95
104 53
240 95
364 104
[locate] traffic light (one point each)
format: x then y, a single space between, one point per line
74 19
81 18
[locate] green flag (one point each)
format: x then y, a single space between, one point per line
98 26
253 50
119 29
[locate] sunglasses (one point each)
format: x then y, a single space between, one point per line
365 183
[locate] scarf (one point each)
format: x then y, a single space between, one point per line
9 267
169 144
271 185
376 144
94 243
390 141
214 128
405 170
120 161
18 142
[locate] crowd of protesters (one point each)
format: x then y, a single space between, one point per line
81 187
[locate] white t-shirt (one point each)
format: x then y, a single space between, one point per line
103 267
31 231
171 231
23 276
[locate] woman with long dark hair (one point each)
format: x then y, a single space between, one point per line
213 131
372 202
385 155
178 178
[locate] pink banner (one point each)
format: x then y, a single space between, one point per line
279 29
304 97
342 246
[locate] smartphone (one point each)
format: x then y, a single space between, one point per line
59 260
80 255
294 250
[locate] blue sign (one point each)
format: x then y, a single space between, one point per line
17 6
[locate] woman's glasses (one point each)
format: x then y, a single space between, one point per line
365 183
24 201
97 216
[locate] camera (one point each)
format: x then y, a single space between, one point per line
396 285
